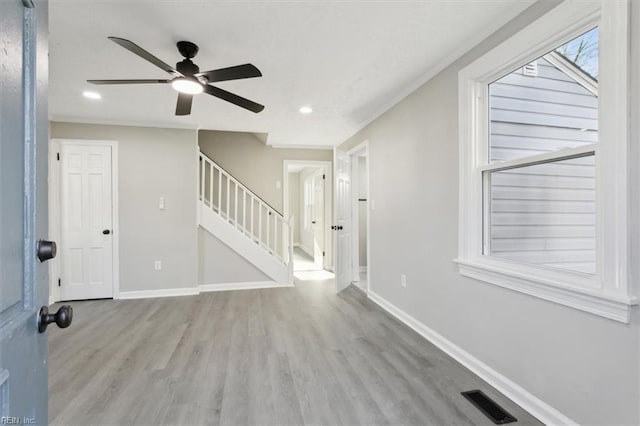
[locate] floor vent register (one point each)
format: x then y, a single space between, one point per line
490 409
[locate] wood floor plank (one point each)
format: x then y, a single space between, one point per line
284 356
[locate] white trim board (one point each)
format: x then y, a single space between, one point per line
166 292
529 402
251 285
202 288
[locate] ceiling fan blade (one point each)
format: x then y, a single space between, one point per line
184 104
232 73
234 99
127 81
134 48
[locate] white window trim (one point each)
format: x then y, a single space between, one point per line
607 293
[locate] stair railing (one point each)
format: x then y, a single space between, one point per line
255 218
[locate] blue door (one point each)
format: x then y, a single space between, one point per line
23 210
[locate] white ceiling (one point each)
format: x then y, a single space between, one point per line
349 60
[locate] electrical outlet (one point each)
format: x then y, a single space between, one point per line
403 280
157 265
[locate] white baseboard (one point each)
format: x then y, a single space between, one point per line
169 292
535 406
296 244
192 291
240 286
363 269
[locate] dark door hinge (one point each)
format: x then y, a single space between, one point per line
59 282
324 177
323 253
58 156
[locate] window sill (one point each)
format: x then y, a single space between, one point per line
615 307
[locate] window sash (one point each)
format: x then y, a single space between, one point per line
488 218
548 157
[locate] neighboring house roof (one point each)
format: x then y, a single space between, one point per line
572 70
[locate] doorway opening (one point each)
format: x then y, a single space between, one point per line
307 203
360 218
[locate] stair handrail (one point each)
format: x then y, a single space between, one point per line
204 157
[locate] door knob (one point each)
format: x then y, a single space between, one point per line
62 318
106 231
313 222
45 250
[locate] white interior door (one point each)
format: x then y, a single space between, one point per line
342 209
318 218
86 213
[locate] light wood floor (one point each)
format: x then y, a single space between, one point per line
287 356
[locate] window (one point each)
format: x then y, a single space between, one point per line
543 160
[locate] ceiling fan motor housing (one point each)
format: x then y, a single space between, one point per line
186 67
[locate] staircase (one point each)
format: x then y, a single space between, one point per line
244 222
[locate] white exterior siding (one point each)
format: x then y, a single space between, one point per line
543 214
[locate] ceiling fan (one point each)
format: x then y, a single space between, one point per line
187 78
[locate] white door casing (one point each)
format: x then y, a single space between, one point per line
318 217
86 215
342 214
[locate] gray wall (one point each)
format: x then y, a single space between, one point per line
153 162
219 264
254 164
583 365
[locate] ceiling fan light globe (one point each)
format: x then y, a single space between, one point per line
185 85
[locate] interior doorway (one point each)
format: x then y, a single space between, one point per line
307 203
360 207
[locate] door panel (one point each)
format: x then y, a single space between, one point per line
23 216
342 167
11 157
318 218
86 211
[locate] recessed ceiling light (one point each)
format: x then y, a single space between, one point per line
92 95
306 110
